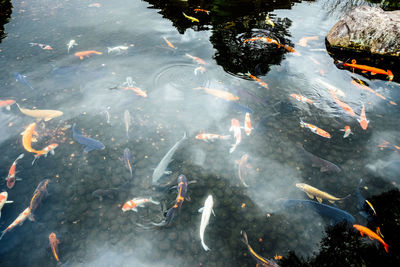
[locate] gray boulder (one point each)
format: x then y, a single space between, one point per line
368 29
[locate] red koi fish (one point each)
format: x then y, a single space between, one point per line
315 129
83 54
263 84
201 10
247 124
237 132
11 173
301 98
211 137
196 59
19 221
3 200
347 131
363 119
7 103
54 246
137 91
50 148
372 70
341 104
371 234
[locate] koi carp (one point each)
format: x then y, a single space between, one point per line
3 200
247 124
11 173
27 138
315 129
127 121
193 19
169 43
301 98
205 218
18 221
7 103
358 83
43 46
241 168
54 246
304 40
318 194
196 59
135 203
260 260
117 50
201 10
71 44
363 119
137 91
365 68
271 41
347 131
263 84
218 93
37 197
237 133
83 54
41 114
342 104
211 137
128 160
386 144
48 149
371 234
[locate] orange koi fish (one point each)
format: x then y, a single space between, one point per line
303 41
301 98
237 132
19 221
371 234
11 173
263 84
261 261
372 70
38 195
363 119
347 131
201 10
247 124
48 149
27 138
358 83
207 136
3 200
83 54
218 93
54 246
137 202
271 41
315 129
341 104
137 91
386 144
331 87
169 43
7 103
196 59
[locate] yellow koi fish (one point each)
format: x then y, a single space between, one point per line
193 19
319 195
44 114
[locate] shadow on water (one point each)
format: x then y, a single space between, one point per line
5 14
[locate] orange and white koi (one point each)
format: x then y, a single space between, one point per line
43 46
247 124
342 104
363 119
331 87
304 40
271 41
50 148
137 91
3 200
199 69
358 83
241 168
11 173
211 137
237 132
315 129
263 84
18 221
386 144
27 138
372 70
137 202
301 98
83 54
54 246
7 103
201 10
196 59
347 131
219 93
169 43
371 234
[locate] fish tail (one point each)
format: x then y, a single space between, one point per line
154 201
3 233
19 157
232 148
33 161
109 49
184 135
244 237
385 245
206 248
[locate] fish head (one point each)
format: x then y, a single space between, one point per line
209 201
301 186
182 178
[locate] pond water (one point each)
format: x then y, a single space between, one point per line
178 63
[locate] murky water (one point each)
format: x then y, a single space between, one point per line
90 93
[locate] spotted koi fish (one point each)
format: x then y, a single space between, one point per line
237 132
363 119
247 124
263 84
18 221
48 149
315 129
3 200
342 104
135 203
347 131
11 173
301 98
211 137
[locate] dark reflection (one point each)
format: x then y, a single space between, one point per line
343 245
232 23
5 14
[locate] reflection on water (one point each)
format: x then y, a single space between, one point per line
193 77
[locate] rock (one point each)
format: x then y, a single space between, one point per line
368 29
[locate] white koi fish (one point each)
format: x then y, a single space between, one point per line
117 50
205 217
71 44
237 133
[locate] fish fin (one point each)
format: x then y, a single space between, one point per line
206 248
319 199
8 108
310 195
31 217
331 201
87 149
386 247
201 209
135 210
168 172
18 179
361 233
47 119
52 152
3 233
188 198
9 201
323 169
213 212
